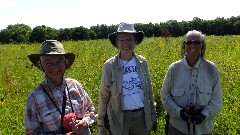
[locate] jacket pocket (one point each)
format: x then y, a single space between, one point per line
179 96
178 92
113 88
204 94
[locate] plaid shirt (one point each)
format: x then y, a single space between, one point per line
43 117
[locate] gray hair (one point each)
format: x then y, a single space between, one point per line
197 33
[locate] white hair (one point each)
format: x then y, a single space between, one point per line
195 32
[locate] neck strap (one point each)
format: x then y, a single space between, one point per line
63 105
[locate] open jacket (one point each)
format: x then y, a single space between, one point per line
110 96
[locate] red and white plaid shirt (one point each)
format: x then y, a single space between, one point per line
42 116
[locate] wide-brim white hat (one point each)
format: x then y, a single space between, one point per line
126 28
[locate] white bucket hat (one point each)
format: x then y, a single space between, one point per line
126 28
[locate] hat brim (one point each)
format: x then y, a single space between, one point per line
139 37
34 58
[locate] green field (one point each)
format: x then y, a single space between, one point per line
18 77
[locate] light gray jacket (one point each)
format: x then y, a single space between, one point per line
185 86
110 96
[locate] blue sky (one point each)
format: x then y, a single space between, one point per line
74 13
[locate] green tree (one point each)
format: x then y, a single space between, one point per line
102 31
91 34
220 25
17 33
42 33
174 28
5 35
80 33
65 34
236 27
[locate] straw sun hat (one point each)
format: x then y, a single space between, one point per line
51 47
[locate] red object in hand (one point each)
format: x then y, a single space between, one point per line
67 121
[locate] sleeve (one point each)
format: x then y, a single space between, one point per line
168 103
89 116
31 123
89 108
151 95
216 102
104 95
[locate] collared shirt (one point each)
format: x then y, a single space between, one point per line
43 117
186 86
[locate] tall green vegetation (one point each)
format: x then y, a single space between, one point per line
18 76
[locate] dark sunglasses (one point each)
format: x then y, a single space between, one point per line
195 42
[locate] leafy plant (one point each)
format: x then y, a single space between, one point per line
18 76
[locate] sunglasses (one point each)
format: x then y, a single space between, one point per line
195 42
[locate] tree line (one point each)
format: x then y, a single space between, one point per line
22 33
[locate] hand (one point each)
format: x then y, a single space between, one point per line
155 125
80 127
184 115
198 118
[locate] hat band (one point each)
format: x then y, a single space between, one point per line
53 51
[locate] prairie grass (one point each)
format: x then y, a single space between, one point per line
18 76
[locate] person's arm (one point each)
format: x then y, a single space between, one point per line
151 95
88 116
215 104
104 97
31 123
87 112
86 104
168 103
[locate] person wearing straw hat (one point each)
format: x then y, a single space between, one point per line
191 92
58 105
126 101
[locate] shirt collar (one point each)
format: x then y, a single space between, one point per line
118 64
47 82
195 66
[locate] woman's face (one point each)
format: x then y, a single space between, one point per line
192 45
126 43
54 67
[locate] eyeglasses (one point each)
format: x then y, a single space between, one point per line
195 42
